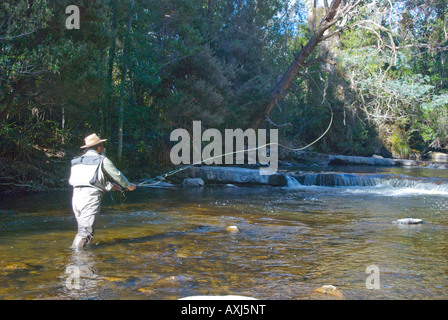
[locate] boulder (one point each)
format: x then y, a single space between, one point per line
369 161
438 156
193 182
232 229
234 175
324 159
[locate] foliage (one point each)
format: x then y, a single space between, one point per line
150 66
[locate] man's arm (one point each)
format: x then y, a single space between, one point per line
116 175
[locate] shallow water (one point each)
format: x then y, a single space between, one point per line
168 243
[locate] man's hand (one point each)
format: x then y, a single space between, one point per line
115 187
132 187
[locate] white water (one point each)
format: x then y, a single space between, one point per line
385 185
292 182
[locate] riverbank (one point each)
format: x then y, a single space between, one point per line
50 172
432 159
307 160
32 176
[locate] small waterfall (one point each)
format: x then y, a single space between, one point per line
292 182
337 180
416 184
365 180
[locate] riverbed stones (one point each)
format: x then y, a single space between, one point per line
169 282
6 269
114 279
330 290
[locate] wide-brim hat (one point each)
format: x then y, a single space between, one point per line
92 140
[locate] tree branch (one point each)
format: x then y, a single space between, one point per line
268 120
17 36
320 59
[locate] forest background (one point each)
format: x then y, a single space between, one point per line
136 70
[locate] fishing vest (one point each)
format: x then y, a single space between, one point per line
86 171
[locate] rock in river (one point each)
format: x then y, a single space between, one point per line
408 221
234 175
193 182
232 229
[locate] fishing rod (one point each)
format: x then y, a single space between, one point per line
162 177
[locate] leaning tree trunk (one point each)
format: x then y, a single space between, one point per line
284 84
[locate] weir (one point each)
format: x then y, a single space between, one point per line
366 180
336 180
371 181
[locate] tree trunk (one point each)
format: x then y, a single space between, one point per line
284 84
107 131
123 79
63 126
6 104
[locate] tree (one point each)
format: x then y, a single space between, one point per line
332 16
387 55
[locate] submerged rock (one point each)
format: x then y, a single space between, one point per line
14 267
330 290
172 281
147 291
408 221
114 279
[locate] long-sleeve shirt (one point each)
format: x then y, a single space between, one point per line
111 171
115 174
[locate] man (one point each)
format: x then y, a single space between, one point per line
89 178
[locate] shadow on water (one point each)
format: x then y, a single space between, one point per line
145 239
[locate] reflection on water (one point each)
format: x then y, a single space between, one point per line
172 243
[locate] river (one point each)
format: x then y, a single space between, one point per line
169 243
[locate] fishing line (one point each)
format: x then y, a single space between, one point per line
162 177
